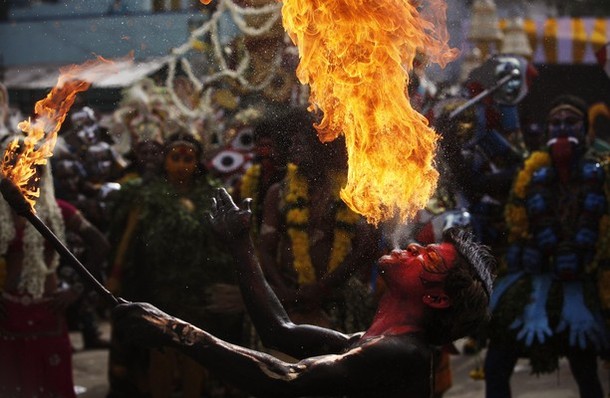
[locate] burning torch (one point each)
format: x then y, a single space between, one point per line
17 201
23 157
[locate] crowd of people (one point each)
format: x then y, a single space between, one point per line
291 292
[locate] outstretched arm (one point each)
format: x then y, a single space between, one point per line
377 367
272 323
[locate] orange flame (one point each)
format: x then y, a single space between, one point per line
21 158
356 56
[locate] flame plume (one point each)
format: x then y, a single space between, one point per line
356 56
23 156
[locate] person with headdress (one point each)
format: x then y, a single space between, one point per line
272 135
35 348
546 305
165 253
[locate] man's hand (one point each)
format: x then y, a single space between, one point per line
229 221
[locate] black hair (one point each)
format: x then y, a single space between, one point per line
469 286
185 136
279 127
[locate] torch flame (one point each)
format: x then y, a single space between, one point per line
21 158
356 57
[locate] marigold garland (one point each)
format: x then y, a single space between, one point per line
515 213
296 202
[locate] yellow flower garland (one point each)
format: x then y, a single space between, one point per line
250 182
296 201
515 214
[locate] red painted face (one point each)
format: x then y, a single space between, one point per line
418 269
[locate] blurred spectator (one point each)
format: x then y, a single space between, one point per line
315 251
165 253
546 305
91 247
35 350
272 137
146 159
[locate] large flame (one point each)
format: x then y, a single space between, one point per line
356 56
23 156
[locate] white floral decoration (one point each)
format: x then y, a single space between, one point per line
211 28
34 271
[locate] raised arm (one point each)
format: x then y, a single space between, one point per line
273 325
378 367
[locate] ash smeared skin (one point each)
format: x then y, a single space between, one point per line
291 373
178 332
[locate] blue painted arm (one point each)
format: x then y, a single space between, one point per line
534 322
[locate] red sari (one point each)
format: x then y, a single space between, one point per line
35 350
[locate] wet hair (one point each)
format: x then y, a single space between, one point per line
469 285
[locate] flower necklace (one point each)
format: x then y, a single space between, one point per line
296 210
515 213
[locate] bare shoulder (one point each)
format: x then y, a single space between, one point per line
397 347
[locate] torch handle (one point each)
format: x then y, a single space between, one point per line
63 251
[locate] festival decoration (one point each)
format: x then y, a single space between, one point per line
515 40
603 59
206 36
566 40
485 30
231 161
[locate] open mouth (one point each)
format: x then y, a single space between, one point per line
391 258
